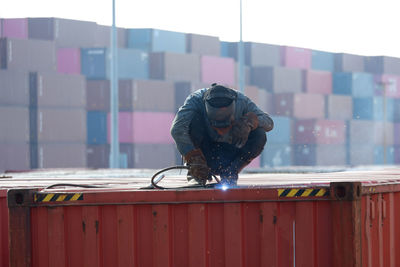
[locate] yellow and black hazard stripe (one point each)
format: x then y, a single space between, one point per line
58 197
304 192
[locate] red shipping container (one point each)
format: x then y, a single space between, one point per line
317 82
14 123
299 105
61 155
388 83
265 222
320 132
295 57
15 28
217 70
339 107
69 60
14 157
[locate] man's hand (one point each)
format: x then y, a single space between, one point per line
241 129
198 168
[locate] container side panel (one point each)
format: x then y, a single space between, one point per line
366 215
56 237
180 236
286 220
380 228
108 233
91 238
305 246
396 234
374 231
233 234
4 258
323 236
144 236
161 235
40 246
268 234
388 229
197 231
74 236
125 236
251 238
216 238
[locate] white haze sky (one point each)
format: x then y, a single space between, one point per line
364 27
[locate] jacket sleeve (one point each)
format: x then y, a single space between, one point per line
181 123
264 120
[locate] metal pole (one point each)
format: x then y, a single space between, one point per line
114 151
241 54
384 125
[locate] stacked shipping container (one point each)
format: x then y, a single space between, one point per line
329 108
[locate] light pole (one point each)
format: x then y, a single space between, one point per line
241 55
114 150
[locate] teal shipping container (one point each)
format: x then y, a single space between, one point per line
132 63
153 40
321 60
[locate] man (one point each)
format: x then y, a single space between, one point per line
219 131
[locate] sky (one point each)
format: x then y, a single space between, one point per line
363 27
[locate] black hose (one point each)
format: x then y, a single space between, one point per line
179 167
74 185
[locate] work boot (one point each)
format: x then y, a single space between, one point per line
230 175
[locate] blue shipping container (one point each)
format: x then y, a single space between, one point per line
282 131
276 155
93 63
357 84
379 152
96 127
362 84
153 40
132 63
321 60
363 108
379 108
342 83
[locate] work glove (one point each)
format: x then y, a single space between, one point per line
198 168
242 127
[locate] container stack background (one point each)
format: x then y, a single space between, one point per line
329 108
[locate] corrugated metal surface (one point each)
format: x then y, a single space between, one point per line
285 220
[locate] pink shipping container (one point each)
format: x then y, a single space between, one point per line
144 127
252 92
217 70
299 105
295 57
265 101
152 127
390 83
154 156
15 28
69 60
125 123
317 82
320 132
334 219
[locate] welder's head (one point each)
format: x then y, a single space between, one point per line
220 103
